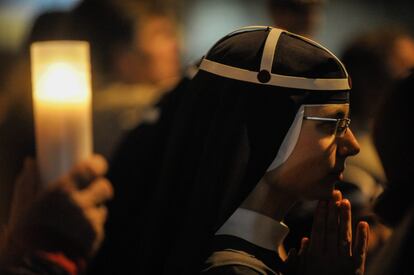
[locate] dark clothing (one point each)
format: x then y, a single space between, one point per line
134 172
395 206
232 255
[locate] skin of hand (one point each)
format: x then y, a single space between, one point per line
329 249
68 216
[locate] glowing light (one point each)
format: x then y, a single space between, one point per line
62 105
61 82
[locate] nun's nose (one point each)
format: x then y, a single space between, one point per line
348 145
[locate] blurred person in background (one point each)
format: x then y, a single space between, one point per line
375 61
128 79
299 16
135 57
395 205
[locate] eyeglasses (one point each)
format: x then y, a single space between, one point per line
342 124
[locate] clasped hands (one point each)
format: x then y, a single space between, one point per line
331 248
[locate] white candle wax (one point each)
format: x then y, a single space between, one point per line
62 105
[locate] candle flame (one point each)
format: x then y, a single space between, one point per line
62 82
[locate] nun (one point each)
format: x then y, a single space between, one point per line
263 124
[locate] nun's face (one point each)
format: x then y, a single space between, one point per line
318 158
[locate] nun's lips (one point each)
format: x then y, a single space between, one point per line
338 173
339 169
340 176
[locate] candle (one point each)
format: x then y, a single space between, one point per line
62 105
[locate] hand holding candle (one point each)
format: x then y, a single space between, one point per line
62 105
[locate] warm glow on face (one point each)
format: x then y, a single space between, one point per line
61 82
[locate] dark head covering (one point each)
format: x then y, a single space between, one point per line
393 140
227 131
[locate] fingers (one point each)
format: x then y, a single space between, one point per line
345 228
90 200
336 195
332 223
83 173
98 192
304 244
360 247
324 236
97 165
97 217
317 240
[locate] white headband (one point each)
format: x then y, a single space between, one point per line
265 77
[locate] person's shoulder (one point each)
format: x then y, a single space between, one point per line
231 261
